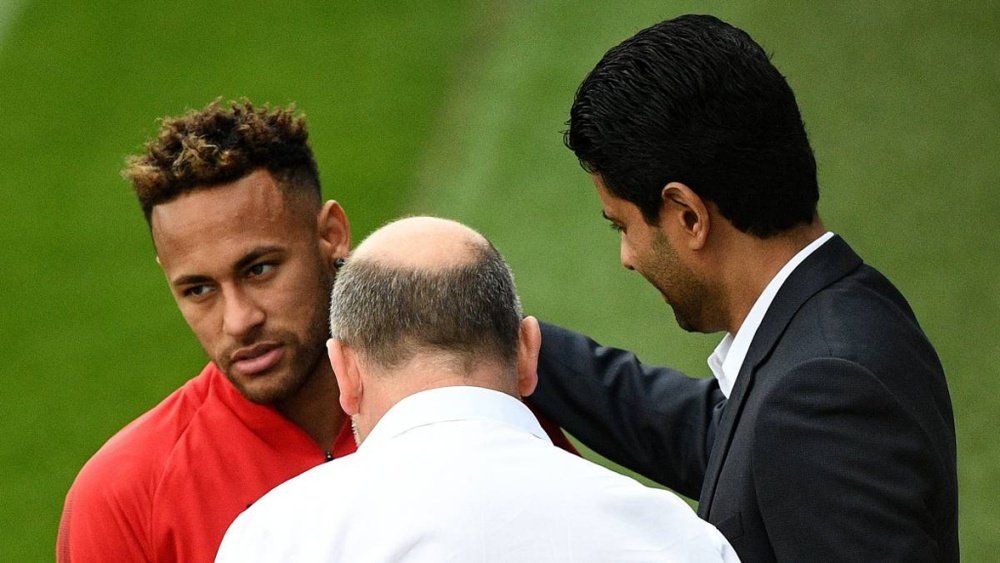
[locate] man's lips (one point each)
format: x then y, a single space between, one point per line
257 359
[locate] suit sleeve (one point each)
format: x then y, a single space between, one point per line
842 471
102 520
653 420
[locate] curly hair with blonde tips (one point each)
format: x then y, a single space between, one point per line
220 144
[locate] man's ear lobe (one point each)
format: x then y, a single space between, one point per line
334 230
345 368
528 346
688 212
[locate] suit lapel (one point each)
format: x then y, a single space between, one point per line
829 263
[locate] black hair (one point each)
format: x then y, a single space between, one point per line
697 101
220 144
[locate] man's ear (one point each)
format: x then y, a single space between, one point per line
334 230
345 368
686 213
528 345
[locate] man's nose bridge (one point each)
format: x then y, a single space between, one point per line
624 255
241 311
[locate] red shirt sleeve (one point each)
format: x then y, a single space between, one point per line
104 517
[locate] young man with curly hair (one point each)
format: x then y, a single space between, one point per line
232 198
250 252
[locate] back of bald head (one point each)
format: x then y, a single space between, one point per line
427 285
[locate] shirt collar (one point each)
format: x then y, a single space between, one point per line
727 359
454 403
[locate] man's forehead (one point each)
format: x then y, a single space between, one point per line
252 198
614 208
223 223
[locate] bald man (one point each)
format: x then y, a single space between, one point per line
432 356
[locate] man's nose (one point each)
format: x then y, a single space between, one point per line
626 256
242 314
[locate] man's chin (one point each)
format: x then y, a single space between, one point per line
684 321
265 390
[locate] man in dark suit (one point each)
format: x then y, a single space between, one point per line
827 432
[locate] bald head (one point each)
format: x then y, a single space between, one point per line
426 285
425 303
422 243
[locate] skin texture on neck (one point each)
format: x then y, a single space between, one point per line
746 264
423 372
314 407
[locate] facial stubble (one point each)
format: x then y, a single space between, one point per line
305 355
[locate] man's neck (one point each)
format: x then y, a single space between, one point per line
424 372
315 408
753 263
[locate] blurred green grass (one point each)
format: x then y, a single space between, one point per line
456 108
901 101
92 338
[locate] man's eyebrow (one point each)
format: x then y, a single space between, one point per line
192 279
255 254
609 218
247 259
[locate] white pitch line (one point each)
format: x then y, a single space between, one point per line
8 13
465 160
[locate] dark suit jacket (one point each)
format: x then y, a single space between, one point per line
837 443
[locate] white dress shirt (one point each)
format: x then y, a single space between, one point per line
727 358
466 474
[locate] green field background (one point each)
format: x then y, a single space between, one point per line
456 108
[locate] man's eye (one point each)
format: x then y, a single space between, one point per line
616 228
196 291
260 269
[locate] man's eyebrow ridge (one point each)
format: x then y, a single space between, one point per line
255 255
246 260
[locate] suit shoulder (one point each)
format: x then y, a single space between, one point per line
862 304
857 341
864 319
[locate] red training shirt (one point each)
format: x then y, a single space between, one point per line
167 486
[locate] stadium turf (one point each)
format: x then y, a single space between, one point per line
456 108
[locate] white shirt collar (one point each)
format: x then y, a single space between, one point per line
727 359
444 404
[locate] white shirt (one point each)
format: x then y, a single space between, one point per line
727 358
467 475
